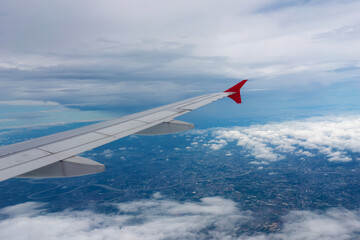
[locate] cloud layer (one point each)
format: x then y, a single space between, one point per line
92 52
158 218
335 137
145 219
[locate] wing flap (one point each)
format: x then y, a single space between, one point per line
71 167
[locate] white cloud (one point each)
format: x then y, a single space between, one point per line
157 195
108 153
130 44
144 219
158 218
332 136
301 152
217 144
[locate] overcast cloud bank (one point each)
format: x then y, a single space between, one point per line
335 137
95 52
157 218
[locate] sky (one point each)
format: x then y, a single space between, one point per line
85 61
105 54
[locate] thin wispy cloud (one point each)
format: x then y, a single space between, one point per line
18 114
28 103
155 218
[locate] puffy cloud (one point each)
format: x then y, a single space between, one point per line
333 136
159 218
145 219
108 153
216 144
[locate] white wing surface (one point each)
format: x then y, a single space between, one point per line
56 155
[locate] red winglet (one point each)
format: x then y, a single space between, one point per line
236 91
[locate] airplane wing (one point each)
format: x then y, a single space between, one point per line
56 155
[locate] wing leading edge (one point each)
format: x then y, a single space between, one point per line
56 155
